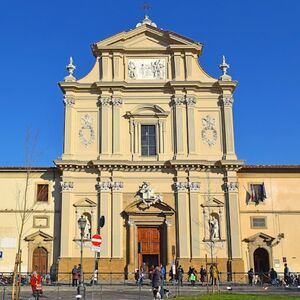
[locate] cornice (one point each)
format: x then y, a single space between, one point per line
127 166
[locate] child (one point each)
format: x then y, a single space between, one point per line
193 279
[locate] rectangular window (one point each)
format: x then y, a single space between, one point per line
148 140
258 222
42 193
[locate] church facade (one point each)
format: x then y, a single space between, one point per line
149 144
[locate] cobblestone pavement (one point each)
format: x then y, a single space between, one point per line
130 292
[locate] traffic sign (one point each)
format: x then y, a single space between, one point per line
96 249
96 240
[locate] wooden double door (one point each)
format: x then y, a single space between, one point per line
150 248
40 260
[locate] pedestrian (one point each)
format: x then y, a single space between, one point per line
273 277
250 276
94 278
203 275
180 273
213 274
163 272
75 276
157 283
193 278
36 285
171 274
286 274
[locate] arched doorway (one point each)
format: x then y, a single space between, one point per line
40 260
261 260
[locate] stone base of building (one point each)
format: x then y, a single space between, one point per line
109 269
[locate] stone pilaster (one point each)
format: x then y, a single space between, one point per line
117 226
195 213
105 210
132 226
104 125
116 104
69 102
227 126
183 214
178 108
190 102
170 243
233 220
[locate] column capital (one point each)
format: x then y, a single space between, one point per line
104 101
116 101
232 186
103 186
67 186
178 100
226 100
181 186
190 101
194 186
69 101
117 185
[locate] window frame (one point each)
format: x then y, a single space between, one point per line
155 139
252 218
36 192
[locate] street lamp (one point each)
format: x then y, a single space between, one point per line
81 223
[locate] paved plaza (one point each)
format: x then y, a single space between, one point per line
130 292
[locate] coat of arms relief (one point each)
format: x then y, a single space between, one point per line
147 195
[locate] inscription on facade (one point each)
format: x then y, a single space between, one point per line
147 68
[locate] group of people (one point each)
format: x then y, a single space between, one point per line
270 277
193 275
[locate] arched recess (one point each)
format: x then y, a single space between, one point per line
40 260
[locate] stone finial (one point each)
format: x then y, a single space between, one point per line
223 67
70 68
147 21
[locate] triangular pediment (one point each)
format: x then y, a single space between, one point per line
259 236
38 234
213 202
147 37
86 202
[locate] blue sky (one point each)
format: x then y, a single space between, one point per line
260 38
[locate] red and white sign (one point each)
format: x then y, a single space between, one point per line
96 240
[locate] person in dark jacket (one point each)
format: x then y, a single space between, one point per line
273 277
156 281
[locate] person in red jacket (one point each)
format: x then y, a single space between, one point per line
35 282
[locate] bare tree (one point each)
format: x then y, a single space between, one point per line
30 154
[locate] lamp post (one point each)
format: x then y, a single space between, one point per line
81 224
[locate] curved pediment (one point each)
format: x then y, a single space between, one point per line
139 208
147 110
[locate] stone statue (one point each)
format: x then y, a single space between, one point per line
87 229
131 70
213 228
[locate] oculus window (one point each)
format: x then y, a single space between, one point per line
148 140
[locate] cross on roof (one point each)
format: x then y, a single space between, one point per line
146 7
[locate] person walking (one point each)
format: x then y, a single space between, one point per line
286 274
213 274
250 276
36 285
75 276
180 273
203 275
193 278
163 272
157 283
